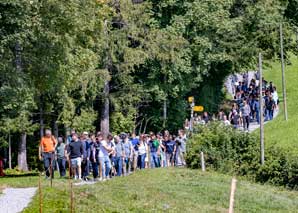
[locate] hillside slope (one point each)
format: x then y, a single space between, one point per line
279 132
166 190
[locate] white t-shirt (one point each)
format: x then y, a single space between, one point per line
142 148
103 152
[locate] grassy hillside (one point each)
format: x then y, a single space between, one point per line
169 190
279 132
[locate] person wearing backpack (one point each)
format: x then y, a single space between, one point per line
154 151
142 147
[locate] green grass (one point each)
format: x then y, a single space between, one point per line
279 132
163 190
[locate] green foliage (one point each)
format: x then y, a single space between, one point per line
121 123
231 151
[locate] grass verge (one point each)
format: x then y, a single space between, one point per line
165 190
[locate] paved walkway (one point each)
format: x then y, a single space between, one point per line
14 200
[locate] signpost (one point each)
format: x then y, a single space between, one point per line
198 108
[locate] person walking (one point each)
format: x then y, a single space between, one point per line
86 155
154 151
128 154
119 155
94 156
104 157
47 148
75 151
246 115
142 147
60 156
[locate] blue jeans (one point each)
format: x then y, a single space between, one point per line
154 160
118 165
105 165
95 169
141 161
61 164
258 116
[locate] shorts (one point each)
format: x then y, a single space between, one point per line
76 162
170 157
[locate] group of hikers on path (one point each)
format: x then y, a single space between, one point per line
246 105
115 155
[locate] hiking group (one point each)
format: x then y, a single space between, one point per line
246 105
115 155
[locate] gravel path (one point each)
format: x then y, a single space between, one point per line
14 200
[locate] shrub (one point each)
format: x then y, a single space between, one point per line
235 152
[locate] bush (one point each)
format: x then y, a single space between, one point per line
18 173
235 152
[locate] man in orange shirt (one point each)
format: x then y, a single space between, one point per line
46 152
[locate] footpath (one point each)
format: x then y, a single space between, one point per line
14 200
228 84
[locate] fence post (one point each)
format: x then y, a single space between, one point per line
71 197
203 162
232 195
40 193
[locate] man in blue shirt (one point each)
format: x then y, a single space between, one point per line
134 142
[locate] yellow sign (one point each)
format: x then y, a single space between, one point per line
198 108
191 99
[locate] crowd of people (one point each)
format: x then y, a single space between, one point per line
115 155
246 105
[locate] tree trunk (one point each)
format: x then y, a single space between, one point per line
105 111
22 153
9 151
164 113
56 129
41 120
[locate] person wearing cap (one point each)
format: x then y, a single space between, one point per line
86 155
60 156
47 147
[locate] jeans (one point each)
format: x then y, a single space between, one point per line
95 169
61 164
105 166
118 165
141 161
126 165
48 159
85 168
154 160
246 121
258 116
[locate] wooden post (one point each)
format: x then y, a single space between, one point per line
9 150
71 198
283 73
203 162
232 195
262 151
40 193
